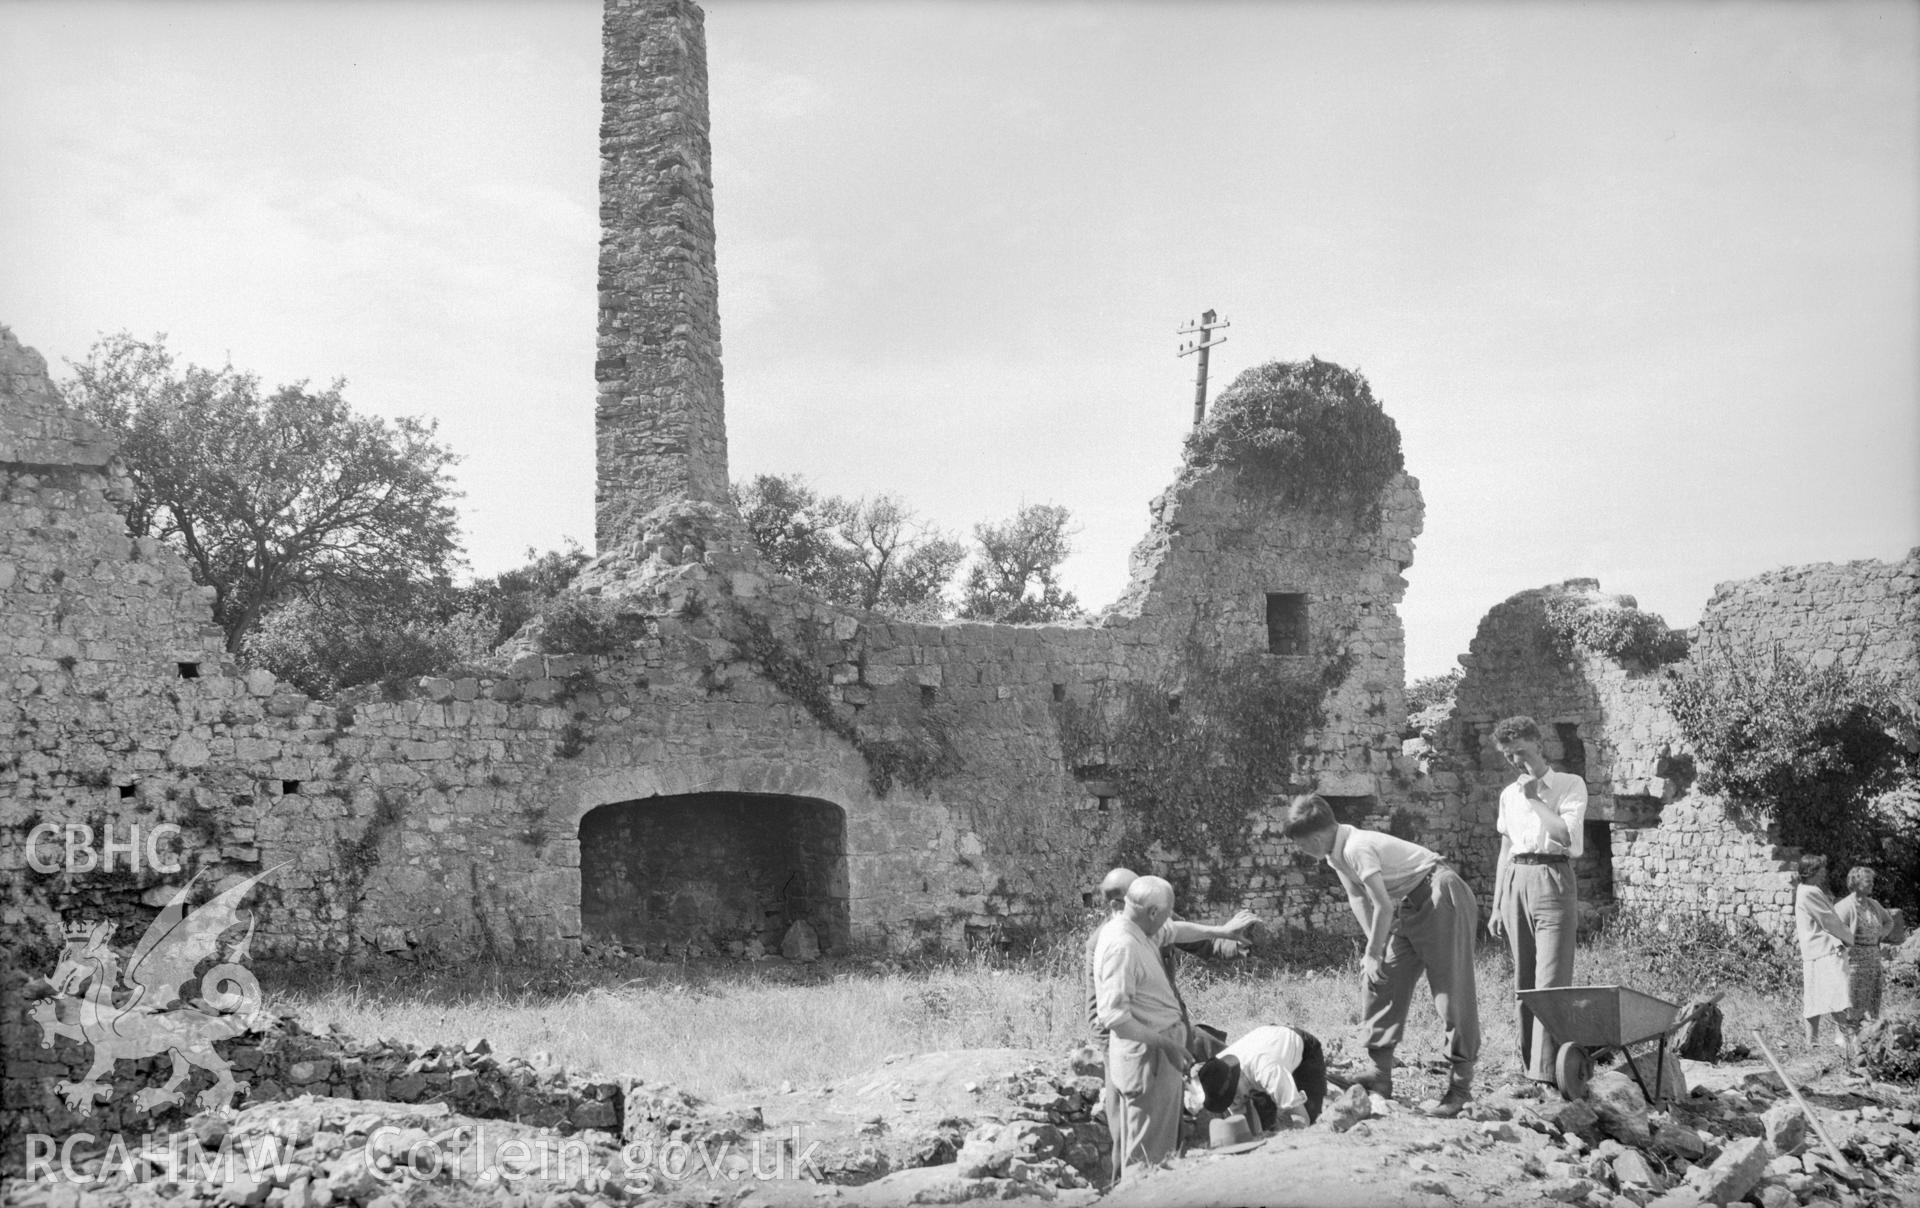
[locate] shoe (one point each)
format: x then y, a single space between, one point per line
1452 1103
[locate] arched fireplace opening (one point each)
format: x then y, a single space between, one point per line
713 869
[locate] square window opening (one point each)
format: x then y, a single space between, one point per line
1286 622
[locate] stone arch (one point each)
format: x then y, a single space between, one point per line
713 857
787 777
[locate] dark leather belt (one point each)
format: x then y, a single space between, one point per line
1539 857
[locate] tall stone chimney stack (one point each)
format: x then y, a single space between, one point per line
660 417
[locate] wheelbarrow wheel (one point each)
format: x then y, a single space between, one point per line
1571 1069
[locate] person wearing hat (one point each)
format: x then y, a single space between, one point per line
1273 1073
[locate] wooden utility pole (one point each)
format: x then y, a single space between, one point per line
1205 327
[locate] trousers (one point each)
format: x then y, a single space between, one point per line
1144 1122
1433 934
1543 919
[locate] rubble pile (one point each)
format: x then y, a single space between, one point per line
282 1059
1612 1150
312 1152
1890 1047
1031 1127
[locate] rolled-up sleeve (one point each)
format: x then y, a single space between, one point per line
1114 979
1573 812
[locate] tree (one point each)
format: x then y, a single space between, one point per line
1308 431
898 564
872 552
323 641
794 528
271 495
334 636
513 597
1014 576
1808 748
1430 690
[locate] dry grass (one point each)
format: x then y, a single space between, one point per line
709 1031
728 1028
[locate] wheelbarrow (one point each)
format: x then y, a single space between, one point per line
1590 1019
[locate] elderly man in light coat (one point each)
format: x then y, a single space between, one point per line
1147 1058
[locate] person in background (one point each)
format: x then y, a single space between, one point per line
1418 915
1147 1058
1271 1075
1870 925
1536 908
1824 941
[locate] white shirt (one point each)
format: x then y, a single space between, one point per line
1268 1056
1400 863
1565 794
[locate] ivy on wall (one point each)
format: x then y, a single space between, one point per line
1307 431
1195 753
1622 632
1809 749
916 755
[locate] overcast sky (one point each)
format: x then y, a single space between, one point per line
1639 282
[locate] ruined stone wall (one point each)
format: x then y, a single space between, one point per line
1646 845
1864 616
451 818
1206 568
1699 860
660 422
1668 849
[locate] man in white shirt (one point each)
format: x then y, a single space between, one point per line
1284 1066
1543 817
1419 916
1147 1057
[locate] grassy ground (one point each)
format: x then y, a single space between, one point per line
726 1027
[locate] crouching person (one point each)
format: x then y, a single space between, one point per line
1418 915
1147 1057
1276 1077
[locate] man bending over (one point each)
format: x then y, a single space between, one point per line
1418 915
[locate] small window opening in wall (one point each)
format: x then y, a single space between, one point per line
928 694
1573 752
1173 703
1086 899
289 787
1059 693
1103 804
129 791
189 671
1286 622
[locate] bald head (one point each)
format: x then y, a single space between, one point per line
1149 903
1113 890
1150 891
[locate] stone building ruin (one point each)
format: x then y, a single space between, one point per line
1653 842
737 757
731 755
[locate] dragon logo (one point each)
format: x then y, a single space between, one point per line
151 1017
